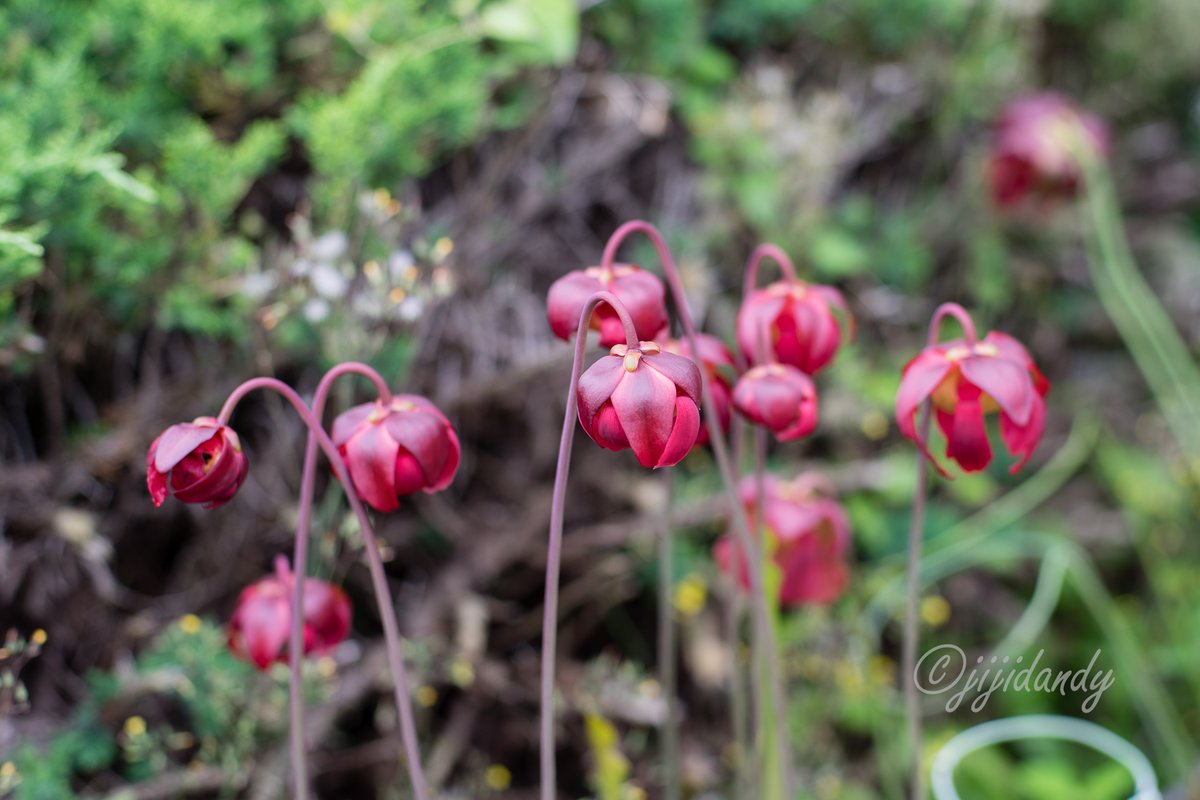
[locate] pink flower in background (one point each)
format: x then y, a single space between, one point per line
809 537
644 399
717 363
797 323
779 397
199 462
966 382
1036 149
396 449
641 293
261 623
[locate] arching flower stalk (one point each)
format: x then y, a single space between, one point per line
786 332
636 397
764 645
963 380
202 462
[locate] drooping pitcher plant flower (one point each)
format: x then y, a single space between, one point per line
259 627
779 397
718 365
199 462
1037 147
642 398
802 328
642 293
966 380
396 449
809 536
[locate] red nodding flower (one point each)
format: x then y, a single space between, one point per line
641 292
1036 148
802 328
262 621
779 397
199 462
966 380
396 449
642 398
717 362
809 535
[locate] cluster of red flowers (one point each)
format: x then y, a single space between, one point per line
645 395
390 450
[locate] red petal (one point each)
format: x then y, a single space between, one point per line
596 386
1021 441
262 623
645 404
156 482
424 436
346 424
453 456
680 370
371 458
966 431
606 430
644 297
566 299
177 441
683 433
1007 382
757 314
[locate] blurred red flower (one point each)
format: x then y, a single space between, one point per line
1037 145
966 381
808 536
641 292
261 623
779 397
798 322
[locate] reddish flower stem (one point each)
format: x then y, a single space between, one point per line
960 314
724 465
387 611
549 784
667 662
916 534
761 253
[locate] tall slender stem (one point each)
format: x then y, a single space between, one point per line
549 784
387 611
757 256
667 661
721 454
300 556
916 534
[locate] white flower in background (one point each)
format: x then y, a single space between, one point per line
329 247
316 310
401 266
410 308
328 281
257 285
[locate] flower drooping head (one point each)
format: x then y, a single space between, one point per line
262 621
641 293
967 379
801 327
395 449
199 462
642 398
779 397
717 363
809 537
1037 148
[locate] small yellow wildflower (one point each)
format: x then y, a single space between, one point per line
427 696
135 726
935 611
690 596
497 777
190 624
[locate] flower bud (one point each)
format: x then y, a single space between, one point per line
199 462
